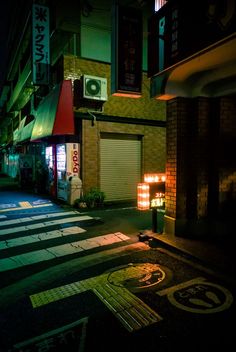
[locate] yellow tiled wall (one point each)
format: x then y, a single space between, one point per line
153 137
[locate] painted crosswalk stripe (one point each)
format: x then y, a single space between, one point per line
60 251
44 224
43 236
38 217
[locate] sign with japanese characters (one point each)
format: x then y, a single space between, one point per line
151 192
66 338
199 296
127 41
157 195
40 44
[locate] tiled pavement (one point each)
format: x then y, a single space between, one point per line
131 311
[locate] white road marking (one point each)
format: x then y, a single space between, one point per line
44 224
43 236
37 217
55 336
59 251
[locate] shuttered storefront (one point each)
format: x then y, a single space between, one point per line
120 166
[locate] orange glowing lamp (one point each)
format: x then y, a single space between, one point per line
153 178
143 202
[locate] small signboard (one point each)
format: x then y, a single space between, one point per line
151 193
157 195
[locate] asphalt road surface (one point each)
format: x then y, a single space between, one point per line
83 281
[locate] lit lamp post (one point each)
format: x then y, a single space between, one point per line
151 195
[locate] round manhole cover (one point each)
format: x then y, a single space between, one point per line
138 276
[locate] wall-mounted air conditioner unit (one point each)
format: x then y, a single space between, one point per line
94 88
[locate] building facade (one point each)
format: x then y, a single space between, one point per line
108 143
195 72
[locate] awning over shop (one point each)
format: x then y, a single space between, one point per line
54 115
24 131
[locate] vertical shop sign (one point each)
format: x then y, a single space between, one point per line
40 44
174 33
127 41
161 43
73 159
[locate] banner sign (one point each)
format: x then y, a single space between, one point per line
40 44
127 38
73 159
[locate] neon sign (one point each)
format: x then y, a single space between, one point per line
151 193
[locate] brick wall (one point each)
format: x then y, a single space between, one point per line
153 148
144 107
171 157
202 174
200 165
227 159
153 138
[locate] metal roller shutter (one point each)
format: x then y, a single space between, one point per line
120 168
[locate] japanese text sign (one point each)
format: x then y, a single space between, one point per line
40 44
157 195
127 41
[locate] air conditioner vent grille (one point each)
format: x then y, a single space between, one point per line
94 87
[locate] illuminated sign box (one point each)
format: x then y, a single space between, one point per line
157 195
143 196
153 178
151 193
